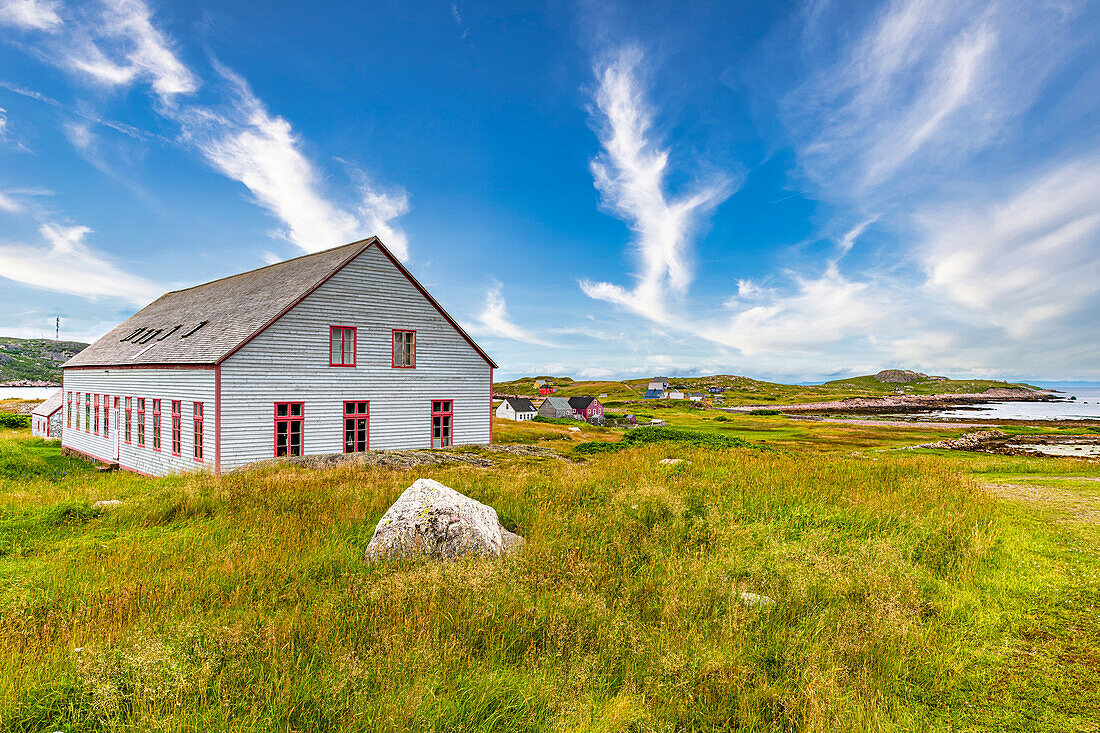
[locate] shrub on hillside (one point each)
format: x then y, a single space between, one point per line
698 438
13 420
557 420
651 435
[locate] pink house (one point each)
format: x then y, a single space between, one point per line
586 407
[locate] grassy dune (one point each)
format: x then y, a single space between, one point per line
909 595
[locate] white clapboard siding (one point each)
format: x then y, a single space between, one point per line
187 385
289 362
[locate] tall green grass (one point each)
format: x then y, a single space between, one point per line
244 603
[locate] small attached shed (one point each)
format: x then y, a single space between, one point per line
517 408
555 407
47 420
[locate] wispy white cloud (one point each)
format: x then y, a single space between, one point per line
117 43
918 90
458 20
120 45
812 312
630 174
38 15
9 204
494 320
245 142
62 262
1022 261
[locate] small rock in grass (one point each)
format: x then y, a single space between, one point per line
755 600
574 429
107 504
672 461
433 520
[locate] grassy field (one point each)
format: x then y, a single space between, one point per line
913 590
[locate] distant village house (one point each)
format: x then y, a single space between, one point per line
586 408
555 407
47 420
656 388
517 408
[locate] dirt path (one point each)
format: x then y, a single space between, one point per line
1073 506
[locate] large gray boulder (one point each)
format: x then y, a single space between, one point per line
433 520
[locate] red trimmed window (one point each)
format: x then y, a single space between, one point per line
69 410
87 413
288 428
197 415
141 421
177 427
156 424
356 426
127 429
341 346
106 416
442 423
404 349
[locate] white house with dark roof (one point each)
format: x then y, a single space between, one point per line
517 408
337 351
47 420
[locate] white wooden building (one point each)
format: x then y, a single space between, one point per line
517 408
337 351
47 420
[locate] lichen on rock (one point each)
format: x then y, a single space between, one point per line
433 520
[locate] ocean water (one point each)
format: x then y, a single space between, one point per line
26 393
1085 407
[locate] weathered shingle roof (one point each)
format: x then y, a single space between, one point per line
50 406
229 311
580 403
520 404
558 403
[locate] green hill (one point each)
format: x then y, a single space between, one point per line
35 359
745 390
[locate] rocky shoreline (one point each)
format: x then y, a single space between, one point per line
998 442
908 403
29 383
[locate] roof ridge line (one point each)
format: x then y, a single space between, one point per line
273 264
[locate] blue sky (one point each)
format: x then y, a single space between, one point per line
790 191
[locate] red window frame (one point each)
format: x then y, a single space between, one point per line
343 346
393 348
141 422
127 429
106 416
69 410
156 425
196 413
177 427
290 418
354 412
446 409
87 412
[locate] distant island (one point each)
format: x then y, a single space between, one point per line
34 362
889 388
